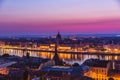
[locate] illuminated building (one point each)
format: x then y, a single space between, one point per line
112 48
3 66
4 71
2 44
101 70
45 47
64 48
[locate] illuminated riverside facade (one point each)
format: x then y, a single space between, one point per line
110 48
69 53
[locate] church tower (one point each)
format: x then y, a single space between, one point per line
56 58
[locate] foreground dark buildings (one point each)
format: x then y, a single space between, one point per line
44 69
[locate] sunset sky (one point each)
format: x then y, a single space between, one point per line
23 17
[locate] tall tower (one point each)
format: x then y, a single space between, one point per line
58 36
56 56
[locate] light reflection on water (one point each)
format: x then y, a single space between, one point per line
67 57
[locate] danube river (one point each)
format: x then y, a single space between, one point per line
67 57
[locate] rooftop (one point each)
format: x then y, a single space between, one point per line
54 70
32 62
6 63
60 68
96 63
114 73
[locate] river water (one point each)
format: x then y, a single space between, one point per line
67 57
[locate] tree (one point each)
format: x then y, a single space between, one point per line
110 79
5 55
28 55
75 65
25 75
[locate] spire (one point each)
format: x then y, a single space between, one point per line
56 56
58 36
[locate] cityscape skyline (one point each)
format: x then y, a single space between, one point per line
60 39
48 17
